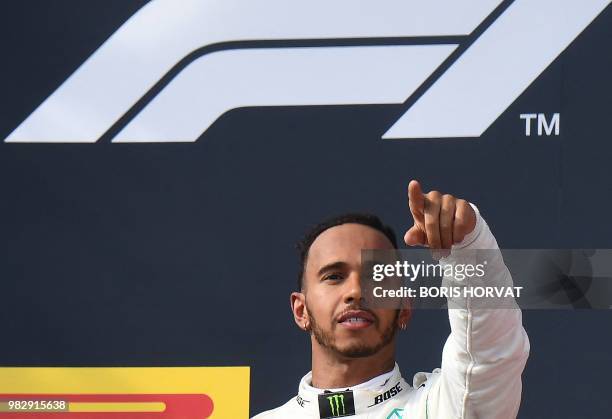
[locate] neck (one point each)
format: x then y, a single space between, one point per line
332 370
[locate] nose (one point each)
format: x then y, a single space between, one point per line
353 292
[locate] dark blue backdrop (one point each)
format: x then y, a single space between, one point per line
105 246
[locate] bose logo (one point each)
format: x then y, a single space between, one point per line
392 392
171 70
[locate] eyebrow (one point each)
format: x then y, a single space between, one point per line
332 266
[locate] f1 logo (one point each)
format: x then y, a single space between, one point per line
456 65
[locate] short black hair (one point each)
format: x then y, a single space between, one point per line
366 219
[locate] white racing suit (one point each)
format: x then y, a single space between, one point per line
480 378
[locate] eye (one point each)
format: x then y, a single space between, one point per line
334 276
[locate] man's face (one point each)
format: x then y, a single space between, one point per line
336 302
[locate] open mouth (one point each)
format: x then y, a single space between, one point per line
356 319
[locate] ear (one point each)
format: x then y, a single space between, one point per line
405 312
298 307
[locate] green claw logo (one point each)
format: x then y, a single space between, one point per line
335 402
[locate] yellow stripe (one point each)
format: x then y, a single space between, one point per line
228 387
117 407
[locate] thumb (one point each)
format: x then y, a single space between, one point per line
415 237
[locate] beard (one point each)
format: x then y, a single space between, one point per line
359 350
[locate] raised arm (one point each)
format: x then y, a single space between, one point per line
485 354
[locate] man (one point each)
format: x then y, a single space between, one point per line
353 344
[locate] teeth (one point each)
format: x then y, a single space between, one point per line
355 320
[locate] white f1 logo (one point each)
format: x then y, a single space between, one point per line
206 57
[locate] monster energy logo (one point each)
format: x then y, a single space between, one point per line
336 405
335 402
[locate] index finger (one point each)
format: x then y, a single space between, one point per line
416 201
